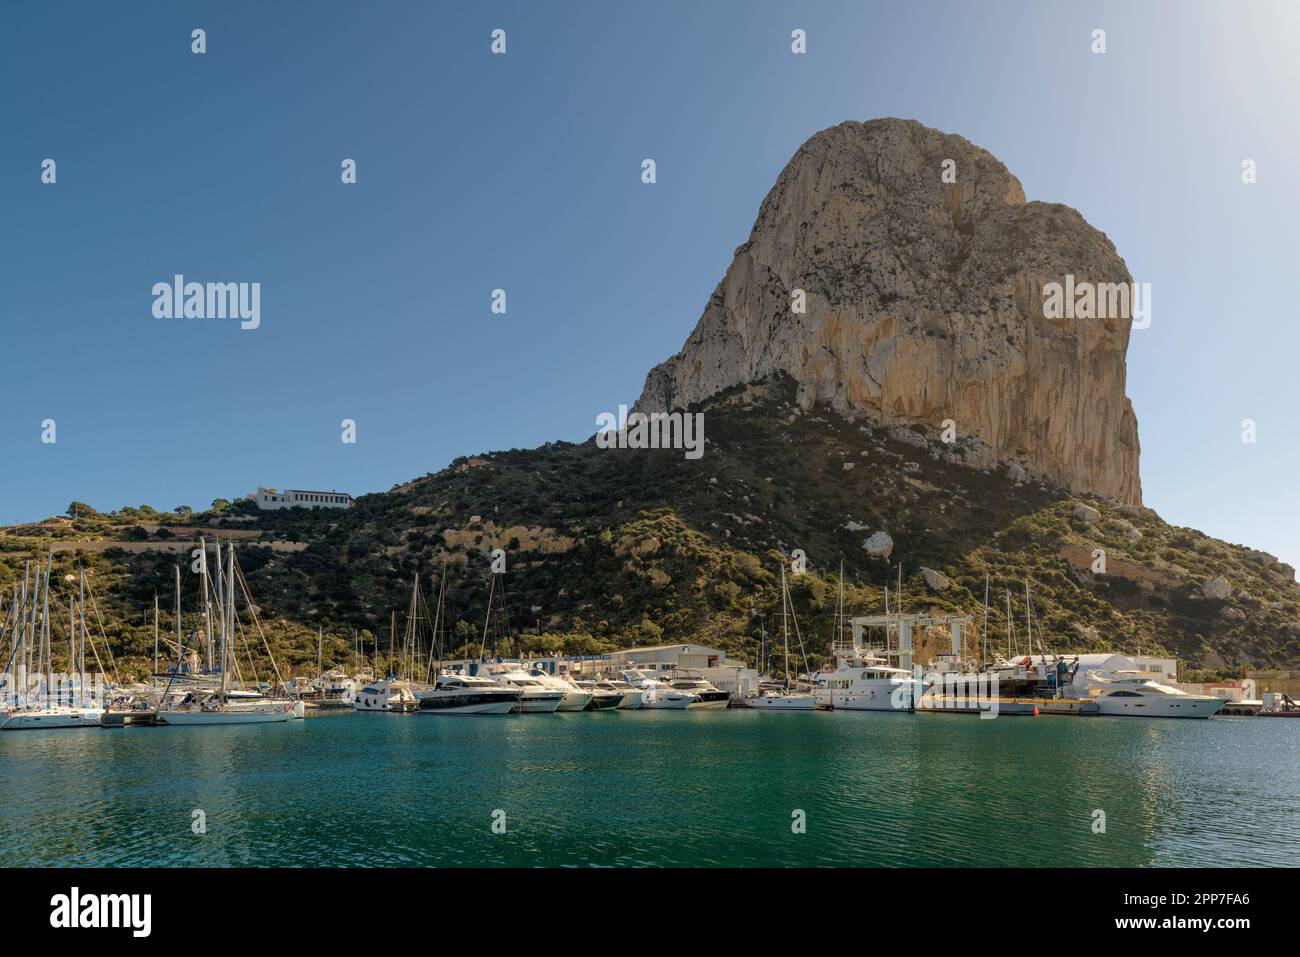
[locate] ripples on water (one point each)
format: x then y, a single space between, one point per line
657 788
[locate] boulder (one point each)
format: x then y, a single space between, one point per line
1217 588
935 581
1086 514
879 545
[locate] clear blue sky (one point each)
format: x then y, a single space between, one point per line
523 172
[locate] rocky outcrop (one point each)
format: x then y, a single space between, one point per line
923 301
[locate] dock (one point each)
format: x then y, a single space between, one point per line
120 719
960 704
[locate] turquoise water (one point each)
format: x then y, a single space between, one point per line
657 788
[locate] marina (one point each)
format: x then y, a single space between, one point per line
707 788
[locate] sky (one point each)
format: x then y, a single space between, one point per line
522 172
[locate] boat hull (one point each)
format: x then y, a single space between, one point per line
710 701
632 701
53 718
659 701
540 704
1151 707
884 696
783 703
468 704
225 717
604 702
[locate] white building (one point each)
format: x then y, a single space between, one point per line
270 498
1160 669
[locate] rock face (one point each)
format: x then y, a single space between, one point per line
924 302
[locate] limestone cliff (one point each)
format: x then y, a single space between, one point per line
924 302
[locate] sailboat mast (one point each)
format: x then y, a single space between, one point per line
155 632
45 632
785 625
840 612
1010 624
487 619
81 651
205 604
72 644
177 569
984 628
1029 622
228 619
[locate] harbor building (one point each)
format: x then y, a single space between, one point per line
273 498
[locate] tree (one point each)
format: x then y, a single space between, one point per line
81 510
220 504
183 510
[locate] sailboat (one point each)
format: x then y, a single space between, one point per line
780 698
46 710
397 692
224 705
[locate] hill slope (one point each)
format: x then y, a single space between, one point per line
608 546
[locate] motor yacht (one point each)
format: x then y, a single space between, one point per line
1132 695
575 699
707 696
863 681
534 697
604 696
631 696
656 695
387 695
455 693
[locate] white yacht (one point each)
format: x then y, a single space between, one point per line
385 696
655 695
604 696
456 693
534 697
707 696
632 697
1130 694
575 699
863 681
336 687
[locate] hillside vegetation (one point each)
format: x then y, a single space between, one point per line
609 547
